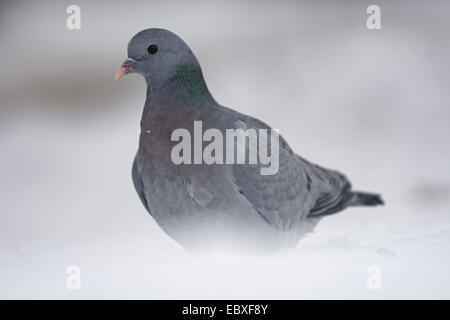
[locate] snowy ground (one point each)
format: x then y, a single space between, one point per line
373 104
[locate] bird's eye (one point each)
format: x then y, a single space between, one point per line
152 49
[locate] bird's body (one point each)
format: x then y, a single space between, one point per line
221 206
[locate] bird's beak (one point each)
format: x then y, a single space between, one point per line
125 68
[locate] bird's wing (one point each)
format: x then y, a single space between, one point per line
332 190
298 190
138 184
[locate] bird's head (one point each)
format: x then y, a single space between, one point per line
157 54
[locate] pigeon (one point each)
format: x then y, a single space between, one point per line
229 206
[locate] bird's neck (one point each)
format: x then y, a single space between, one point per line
185 83
174 103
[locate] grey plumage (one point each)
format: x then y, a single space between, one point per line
220 207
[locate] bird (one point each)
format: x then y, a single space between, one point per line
220 207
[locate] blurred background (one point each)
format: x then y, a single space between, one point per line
372 103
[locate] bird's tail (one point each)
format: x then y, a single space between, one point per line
365 199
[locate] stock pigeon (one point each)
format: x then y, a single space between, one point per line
220 205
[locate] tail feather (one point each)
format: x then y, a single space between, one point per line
366 199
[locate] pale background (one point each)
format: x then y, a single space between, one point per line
373 104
